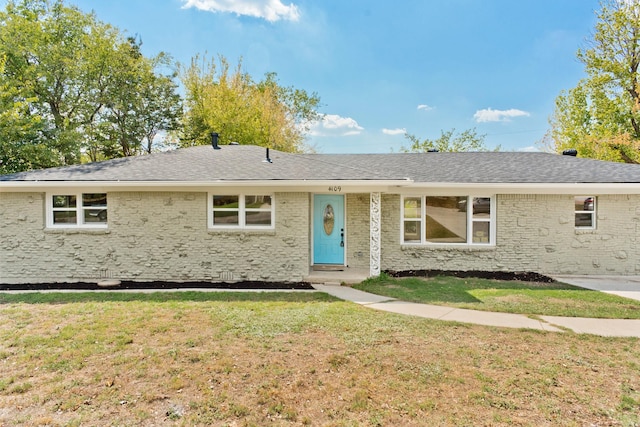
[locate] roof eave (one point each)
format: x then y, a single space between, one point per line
396 185
290 185
528 187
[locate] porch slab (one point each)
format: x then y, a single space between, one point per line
347 276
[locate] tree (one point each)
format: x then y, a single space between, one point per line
139 104
161 107
600 117
240 109
469 140
16 124
80 79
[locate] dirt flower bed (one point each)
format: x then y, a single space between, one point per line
523 276
160 285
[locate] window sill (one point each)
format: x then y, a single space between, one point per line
236 231
586 230
445 247
92 231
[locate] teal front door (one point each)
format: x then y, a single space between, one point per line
328 229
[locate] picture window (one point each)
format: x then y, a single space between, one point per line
447 220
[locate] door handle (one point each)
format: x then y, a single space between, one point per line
342 237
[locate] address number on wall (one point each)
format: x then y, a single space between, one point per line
335 189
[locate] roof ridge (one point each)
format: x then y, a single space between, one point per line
341 165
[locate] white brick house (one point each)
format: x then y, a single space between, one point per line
226 215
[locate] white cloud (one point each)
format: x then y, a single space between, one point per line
335 125
271 10
490 115
398 131
425 107
530 149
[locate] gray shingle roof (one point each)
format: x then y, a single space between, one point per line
493 167
202 164
245 163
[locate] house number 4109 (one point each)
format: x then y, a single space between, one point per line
335 188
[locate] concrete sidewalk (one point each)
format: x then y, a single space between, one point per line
603 327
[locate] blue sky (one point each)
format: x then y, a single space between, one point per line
384 68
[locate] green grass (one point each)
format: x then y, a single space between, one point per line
195 296
549 299
249 359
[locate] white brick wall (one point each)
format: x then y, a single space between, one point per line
358 230
534 233
164 236
151 236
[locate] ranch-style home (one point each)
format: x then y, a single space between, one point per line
239 213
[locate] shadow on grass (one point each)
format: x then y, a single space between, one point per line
160 296
455 290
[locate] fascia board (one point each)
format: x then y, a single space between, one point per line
524 188
405 186
289 185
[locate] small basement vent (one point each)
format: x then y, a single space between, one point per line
226 275
106 274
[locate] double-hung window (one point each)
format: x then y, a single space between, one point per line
76 210
465 220
241 211
585 211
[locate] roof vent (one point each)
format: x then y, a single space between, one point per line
267 159
571 152
432 150
214 141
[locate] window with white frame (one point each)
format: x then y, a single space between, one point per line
585 211
241 211
76 210
448 220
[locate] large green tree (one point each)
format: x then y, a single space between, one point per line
139 104
600 117
242 110
468 140
18 125
80 82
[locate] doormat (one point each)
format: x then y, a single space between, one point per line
328 268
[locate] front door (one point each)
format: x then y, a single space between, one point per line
328 229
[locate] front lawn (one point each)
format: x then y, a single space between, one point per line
294 359
548 299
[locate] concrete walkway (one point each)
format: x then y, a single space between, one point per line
603 327
627 286
624 286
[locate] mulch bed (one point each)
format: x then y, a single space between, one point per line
156 285
522 276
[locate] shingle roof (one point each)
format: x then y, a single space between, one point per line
245 163
201 164
493 167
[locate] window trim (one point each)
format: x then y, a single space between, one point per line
79 210
242 211
469 222
593 213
